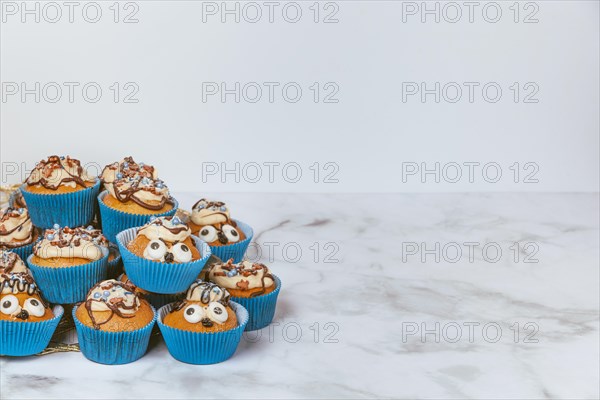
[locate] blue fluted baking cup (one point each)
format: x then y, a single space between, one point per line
113 348
236 250
66 209
27 338
115 221
159 300
67 285
160 277
115 266
199 347
261 309
21 251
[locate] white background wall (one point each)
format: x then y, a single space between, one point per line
364 139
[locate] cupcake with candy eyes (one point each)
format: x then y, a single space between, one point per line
67 261
26 320
250 284
205 327
133 194
17 233
113 323
59 190
162 256
227 238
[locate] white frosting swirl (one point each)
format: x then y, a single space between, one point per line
206 212
206 292
71 243
169 229
127 167
15 225
11 263
58 171
112 293
244 275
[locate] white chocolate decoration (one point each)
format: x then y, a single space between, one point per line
15 226
206 292
72 243
58 171
127 167
206 212
111 295
170 229
241 276
11 263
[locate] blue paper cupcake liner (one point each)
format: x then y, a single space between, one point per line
65 209
202 348
115 221
114 268
261 309
159 300
236 250
67 285
27 338
22 251
159 277
113 348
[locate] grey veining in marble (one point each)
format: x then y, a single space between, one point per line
351 315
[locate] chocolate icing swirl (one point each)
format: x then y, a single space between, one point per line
58 171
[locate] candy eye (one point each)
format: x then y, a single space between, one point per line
208 233
182 252
9 304
217 312
34 307
231 233
155 250
193 313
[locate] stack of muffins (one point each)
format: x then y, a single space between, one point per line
116 250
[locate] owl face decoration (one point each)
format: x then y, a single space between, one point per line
160 250
212 223
167 239
205 303
21 300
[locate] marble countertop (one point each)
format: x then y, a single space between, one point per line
405 296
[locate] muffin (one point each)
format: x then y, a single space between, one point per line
133 194
17 233
113 323
205 309
10 262
26 320
156 299
59 190
204 328
21 299
77 256
250 284
211 222
162 256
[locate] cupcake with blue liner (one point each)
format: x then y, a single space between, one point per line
205 328
227 237
17 232
156 299
59 191
250 284
27 322
132 194
113 323
66 262
162 256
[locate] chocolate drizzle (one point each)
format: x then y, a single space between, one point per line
159 222
8 260
7 214
241 270
115 305
72 237
21 282
134 187
206 288
47 167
